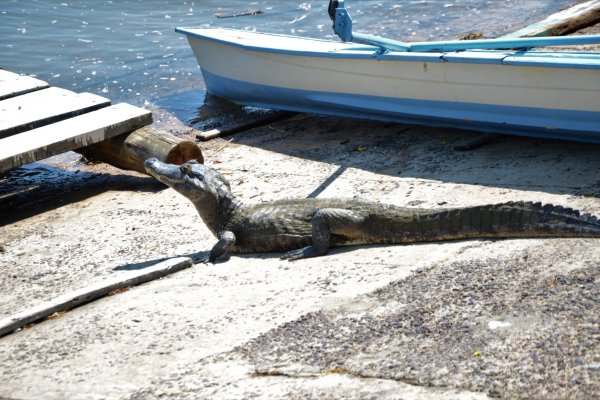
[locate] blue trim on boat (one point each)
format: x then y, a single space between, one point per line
342 26
581 126
473 57
352 51
573 63
576 60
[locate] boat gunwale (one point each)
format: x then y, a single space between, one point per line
567 59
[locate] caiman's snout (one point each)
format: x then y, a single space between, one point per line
162 171
152 165
187 179
149 163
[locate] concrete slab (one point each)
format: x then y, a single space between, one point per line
378 321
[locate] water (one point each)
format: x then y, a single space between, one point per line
128 50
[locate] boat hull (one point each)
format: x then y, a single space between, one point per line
526 93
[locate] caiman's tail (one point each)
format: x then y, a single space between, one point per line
512 219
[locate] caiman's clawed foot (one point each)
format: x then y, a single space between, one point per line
305 252
199 259
206 258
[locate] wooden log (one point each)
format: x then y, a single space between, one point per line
70 134
44 107
564 22
92 292
129 151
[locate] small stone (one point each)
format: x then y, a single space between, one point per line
498 324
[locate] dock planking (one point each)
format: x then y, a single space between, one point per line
71 134
38 121
12 85
43 107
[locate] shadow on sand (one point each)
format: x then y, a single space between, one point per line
400 150
38 187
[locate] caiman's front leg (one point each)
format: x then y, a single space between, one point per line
326 222
226 241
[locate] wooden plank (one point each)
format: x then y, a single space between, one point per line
261 121
563 22
71 134
92 292
5 74
43 107
12 85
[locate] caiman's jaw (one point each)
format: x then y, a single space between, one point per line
187 179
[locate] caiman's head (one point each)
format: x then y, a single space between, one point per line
201 184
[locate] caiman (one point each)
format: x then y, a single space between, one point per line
309 227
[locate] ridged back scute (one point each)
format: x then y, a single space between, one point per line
510 219
523 219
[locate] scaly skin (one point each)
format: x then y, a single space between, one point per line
309 227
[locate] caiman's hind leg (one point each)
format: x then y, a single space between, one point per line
325 222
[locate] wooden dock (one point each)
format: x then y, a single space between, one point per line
38 121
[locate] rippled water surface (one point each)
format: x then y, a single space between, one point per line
128 50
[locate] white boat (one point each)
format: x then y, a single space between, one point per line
532 93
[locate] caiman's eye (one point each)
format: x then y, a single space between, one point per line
185 169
